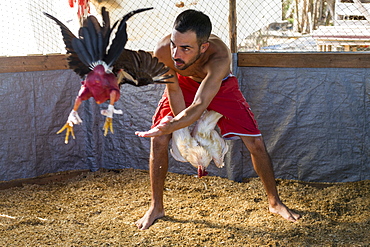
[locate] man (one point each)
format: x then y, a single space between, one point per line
201 62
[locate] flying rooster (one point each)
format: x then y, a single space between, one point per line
201 145
105 65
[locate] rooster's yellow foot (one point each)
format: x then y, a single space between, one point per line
108 125
69 131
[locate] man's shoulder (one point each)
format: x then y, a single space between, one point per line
163 52
164 41
218 43
163 45
218 50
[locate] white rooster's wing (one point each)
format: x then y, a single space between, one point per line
207 137
185 148
177 139
220 148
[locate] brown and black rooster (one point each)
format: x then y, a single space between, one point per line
104 65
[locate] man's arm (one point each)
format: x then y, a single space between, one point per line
163 53
216 68
206 92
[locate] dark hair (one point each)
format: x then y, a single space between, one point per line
196 21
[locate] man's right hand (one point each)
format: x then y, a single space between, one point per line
161 129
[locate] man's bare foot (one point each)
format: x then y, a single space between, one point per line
285 212
148 219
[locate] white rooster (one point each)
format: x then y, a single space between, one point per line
205 134
200 147
186 149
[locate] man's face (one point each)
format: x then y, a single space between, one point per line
185 49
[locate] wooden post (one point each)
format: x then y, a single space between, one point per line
232 26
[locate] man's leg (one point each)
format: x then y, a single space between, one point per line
158 166
263 166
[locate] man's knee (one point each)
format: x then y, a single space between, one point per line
255 145
161 141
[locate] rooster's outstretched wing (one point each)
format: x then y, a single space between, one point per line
74 61
140 68
91 47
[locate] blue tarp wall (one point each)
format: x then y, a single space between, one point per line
315 121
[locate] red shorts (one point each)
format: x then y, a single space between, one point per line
238 119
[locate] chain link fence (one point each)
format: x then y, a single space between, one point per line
305 25
274 25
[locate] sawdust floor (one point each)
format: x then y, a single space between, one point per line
99 209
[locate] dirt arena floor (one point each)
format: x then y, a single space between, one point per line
100 208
